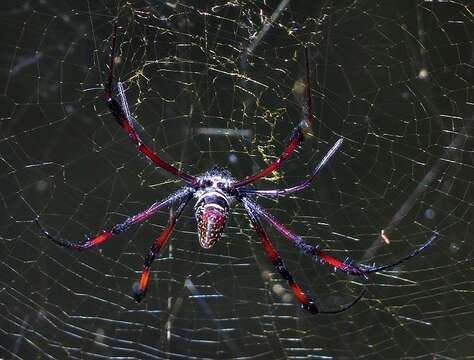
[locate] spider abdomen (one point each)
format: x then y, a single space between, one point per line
211 211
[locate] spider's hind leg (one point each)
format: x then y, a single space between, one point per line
367 269
320 255
307 303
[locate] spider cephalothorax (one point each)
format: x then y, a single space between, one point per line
215 191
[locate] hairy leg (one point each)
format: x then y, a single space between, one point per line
306 302
120 114
297 136
119 228
140 290
299 187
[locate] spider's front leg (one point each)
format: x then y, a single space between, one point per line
298 187
296 137
120 114
306 302
119 228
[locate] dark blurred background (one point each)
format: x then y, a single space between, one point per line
221 83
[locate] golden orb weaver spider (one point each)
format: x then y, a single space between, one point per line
215 192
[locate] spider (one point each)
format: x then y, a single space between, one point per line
215 191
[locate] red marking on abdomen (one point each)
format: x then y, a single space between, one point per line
211 222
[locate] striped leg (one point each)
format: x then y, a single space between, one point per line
296 137
299 187
306 303
119 228
120 114
139 291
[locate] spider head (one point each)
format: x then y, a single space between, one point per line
211 216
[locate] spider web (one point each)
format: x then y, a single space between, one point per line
221 83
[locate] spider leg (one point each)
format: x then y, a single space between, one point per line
316 253
119 228
124 104
306 302
120 114
367 269
322 255
297 136
140 289
302 185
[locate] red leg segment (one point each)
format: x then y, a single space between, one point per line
83 245
323 256
299 242
306 302
119 114
119 228
140 290
302 185
295 139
